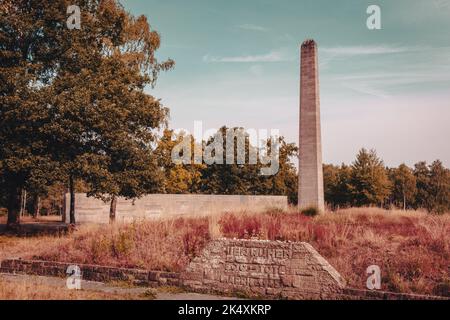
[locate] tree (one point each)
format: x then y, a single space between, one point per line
28 34
403 185
57 98
178 177
245 176
285 181
287 174
225 177
422 175
129 168
439 188
52 203
132 171
369 181
97 102
337 188
433 186
330 181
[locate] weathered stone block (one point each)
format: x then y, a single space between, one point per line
262 268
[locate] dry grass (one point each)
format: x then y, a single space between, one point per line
157 245
412 248
30 219
13 247
34 290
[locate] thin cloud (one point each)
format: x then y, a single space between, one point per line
379 84
333 53
442 4
367 50
273 56
366 89
393 79
253 27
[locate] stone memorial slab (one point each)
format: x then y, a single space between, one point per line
256 268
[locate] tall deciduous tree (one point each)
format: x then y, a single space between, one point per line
68 94
422 175
29 34
337 185
285 181
229 177
100 110
178 177
439 188
403 185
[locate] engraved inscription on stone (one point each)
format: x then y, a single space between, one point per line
271 268
235 251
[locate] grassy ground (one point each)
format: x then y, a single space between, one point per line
411 248
28 287
29 219
36 289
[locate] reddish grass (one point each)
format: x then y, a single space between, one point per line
156 245
411 248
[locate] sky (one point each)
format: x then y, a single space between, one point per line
237 64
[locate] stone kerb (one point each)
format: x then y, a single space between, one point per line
289 270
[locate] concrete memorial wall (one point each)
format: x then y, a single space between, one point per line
88 209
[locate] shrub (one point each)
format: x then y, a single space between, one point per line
310 211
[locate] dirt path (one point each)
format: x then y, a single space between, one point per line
108 289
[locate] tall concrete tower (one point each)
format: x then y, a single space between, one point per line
310 187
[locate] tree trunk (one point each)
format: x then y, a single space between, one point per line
112 209
23 202
72 200
404 202
13 206
36 206
63 206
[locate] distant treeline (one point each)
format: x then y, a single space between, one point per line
367 182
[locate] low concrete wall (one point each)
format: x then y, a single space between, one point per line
163 205
91 272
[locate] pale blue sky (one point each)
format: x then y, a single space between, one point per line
237 64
